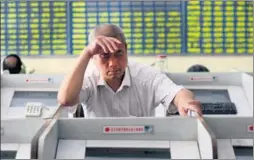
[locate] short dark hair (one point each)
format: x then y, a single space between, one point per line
198 68
13 69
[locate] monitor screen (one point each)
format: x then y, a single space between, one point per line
211 96
8 154
244 153
139 153
20 98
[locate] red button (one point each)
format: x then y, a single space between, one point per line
107 129
250 128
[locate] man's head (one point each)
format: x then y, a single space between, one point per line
12 63
198 68
111 65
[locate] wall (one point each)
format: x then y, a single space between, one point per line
56 64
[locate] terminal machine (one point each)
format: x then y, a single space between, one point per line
17 135
30 96
223 94
128 138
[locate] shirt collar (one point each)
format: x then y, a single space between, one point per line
126 79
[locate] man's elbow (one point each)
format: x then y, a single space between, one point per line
64 101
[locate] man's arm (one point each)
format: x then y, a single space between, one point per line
184 100
166 92
70 88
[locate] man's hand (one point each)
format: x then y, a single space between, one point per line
189 105
185 102
104 44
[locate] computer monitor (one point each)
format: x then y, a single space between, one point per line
8 154
211 95
244 153
20 98
147 153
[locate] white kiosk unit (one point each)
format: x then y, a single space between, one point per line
16 137
231 133
221 94
127 138
147 138
30 95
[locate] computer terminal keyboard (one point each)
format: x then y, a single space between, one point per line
217 108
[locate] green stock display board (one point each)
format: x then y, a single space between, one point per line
150 27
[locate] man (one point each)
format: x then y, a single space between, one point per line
116 87
13 64
198 68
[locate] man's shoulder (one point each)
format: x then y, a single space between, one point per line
142 72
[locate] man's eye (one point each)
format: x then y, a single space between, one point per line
105 55
119 53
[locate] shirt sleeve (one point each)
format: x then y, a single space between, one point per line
164 90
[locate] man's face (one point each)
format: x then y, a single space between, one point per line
112 65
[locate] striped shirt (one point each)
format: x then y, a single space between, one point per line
143 88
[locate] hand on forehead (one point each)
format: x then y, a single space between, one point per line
113 45
109 31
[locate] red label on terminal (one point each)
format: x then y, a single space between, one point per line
127 129
250 128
